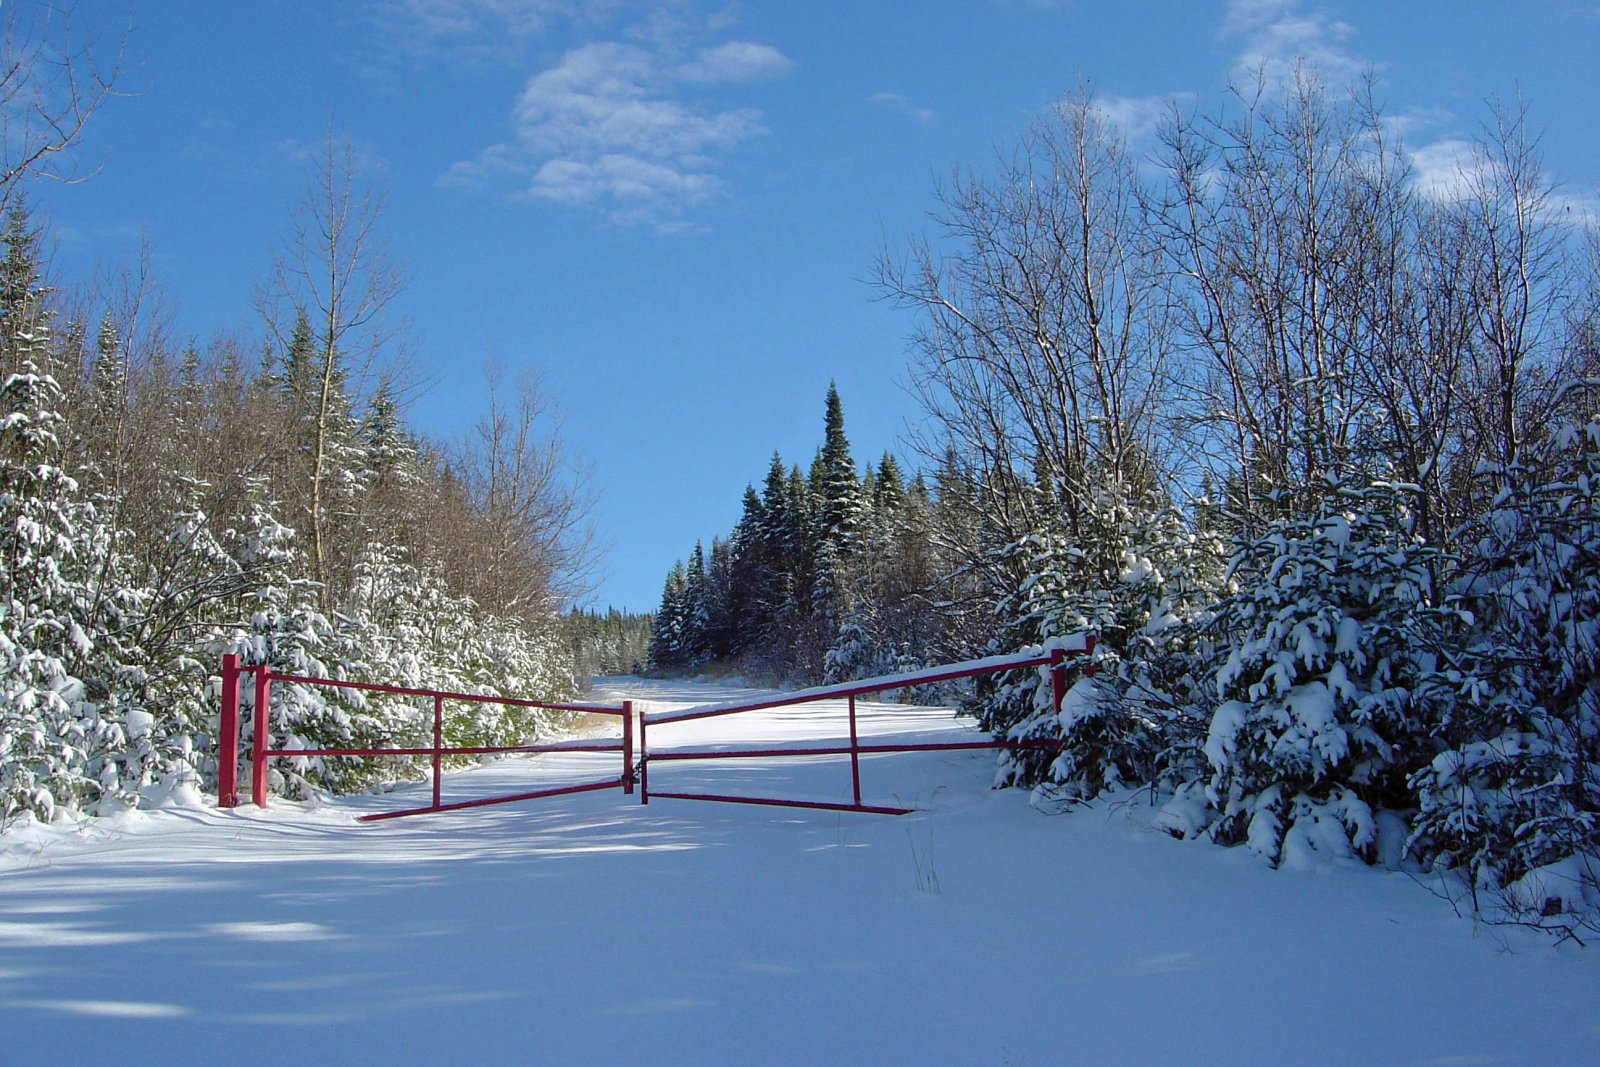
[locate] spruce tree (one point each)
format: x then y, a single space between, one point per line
667 639
839 494
1513 800
694 644
51 732
23 328
750 578
1333 678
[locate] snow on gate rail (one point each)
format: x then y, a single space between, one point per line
1053 657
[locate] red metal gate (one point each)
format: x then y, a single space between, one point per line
1053 658
632 767
228 743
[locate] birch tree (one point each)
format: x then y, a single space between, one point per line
334 279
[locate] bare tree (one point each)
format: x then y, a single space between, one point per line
1520 287
1042 352
1271 221
130 345
54 75
334 280
536 547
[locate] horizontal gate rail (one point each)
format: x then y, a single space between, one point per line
260 753
635 768
844 750
1054 657
462 805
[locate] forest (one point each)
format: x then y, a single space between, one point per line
1312 445
164 501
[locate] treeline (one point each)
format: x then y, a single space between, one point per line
827 574
1308 438
162 504
617 642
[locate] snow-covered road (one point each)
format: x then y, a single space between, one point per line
588 928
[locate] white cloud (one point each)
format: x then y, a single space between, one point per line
1413 120
1277 35
614 98
634 183
1136 117
1445 169
494 162
736 61
460 18
1452 169
629 129
903 105
472 31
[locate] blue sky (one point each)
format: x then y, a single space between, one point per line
670 210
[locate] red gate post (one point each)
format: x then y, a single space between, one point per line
855 754
258 743
644 762
438 744
627 747
228 735
1058 678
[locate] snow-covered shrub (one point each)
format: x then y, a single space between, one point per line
1517 789
1135 574
56 731
1332 684
152 661
414 633
285 632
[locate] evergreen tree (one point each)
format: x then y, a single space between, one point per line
285 631
719 602
1513 800
838 495
780 541
617 642
1333 680
750 578
109 400
58 734
667 641
23 326
695 639
1123 563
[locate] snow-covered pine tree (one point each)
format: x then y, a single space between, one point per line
666 641
1127 567
835 538
800 638
780 544
24 331
839 504
750 578
51 733
285 630
1334 680
170 644
109 401
889 627
1513 801
719 601
389 474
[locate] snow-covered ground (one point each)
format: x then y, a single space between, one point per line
588 928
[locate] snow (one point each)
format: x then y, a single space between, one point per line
588 927
137 722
